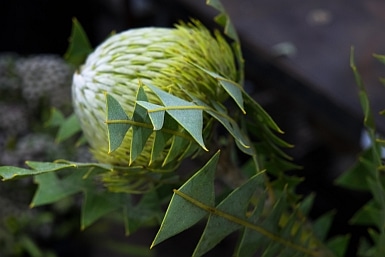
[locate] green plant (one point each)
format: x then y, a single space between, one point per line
367 175
160 104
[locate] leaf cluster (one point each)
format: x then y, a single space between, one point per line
270 218
367 176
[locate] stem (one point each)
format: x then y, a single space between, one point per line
186 107
244 223
149 126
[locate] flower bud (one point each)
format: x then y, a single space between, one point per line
168 58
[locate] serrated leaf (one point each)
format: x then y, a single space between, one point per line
261 115
220 114
223 19
365 105
251 240
116 125
232 127
234 205
156 115
79 47
234 90
277 233
52 189
181 214
187 114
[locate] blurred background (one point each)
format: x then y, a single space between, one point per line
297 66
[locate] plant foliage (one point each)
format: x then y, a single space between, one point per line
367 175
270 218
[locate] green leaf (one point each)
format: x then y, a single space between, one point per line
270 229
368 115
147 211
260 114
79 47
223 19
178 144
367 215
68 128
234 205
48 166
76 179
322 225
56 118
52 189
30 246
187 114
156 115
216 4
116 125
10 172
140 134
247 245
234 90
181 214
378 192
161 137
220 114
380 57
307 204
356 177
230 125
338 245
98 204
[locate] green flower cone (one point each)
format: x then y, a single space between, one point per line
167 58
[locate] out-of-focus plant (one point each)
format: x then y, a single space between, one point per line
28 87
367 176
150 102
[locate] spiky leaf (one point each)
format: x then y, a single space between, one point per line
181 214
79 46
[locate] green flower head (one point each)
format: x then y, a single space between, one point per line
170 59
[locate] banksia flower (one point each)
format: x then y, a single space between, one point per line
170 59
